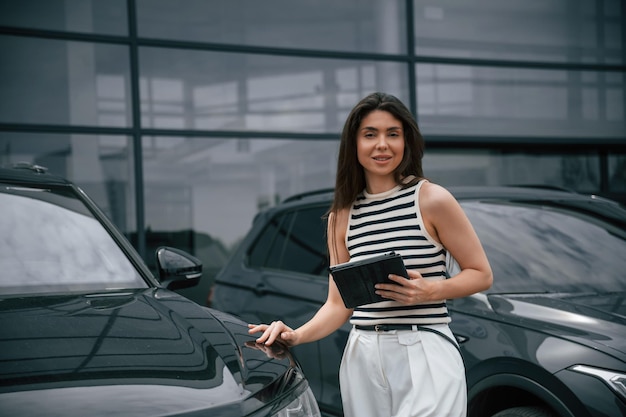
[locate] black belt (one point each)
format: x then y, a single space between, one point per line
386 327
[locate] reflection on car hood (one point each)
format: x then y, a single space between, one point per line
125 353
595 319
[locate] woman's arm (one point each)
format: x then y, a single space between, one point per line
447 223
332 315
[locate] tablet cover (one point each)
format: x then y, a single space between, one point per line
356 280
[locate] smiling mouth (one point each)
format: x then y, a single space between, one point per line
381 158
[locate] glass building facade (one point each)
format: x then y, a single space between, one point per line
184 118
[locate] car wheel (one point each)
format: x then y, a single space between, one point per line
525 412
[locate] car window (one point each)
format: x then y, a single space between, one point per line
543 249
258 252
266 251
276 252
50 242
293 241
306 248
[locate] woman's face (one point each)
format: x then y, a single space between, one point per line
380 145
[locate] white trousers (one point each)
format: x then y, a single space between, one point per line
402 373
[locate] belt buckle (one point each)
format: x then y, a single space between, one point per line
378 328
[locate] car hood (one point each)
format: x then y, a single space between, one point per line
598 320
150 352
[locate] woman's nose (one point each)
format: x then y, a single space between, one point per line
382 142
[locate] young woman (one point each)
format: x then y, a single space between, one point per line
401 358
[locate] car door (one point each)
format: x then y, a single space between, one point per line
281 273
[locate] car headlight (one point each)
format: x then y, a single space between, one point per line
303 406
615 380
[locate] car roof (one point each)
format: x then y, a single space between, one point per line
29 174
529 194
516 192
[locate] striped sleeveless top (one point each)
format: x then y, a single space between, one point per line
391 221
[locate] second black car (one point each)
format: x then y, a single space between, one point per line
549 337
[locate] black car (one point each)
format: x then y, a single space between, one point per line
549 337
86 330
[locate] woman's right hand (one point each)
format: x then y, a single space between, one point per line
277 330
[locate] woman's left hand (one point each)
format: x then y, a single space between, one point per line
407 291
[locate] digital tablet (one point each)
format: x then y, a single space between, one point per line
356 280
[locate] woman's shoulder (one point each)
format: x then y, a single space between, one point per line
337 226
339 216
433 196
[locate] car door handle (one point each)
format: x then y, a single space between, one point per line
260 289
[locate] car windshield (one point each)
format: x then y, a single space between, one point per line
535 249
50 242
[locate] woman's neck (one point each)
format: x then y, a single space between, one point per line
377 185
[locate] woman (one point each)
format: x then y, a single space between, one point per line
401 358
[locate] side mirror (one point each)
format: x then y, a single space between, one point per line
177 268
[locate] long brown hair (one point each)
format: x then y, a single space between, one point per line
350 180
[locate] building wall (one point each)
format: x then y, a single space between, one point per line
193 115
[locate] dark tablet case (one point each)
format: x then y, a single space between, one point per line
356 280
